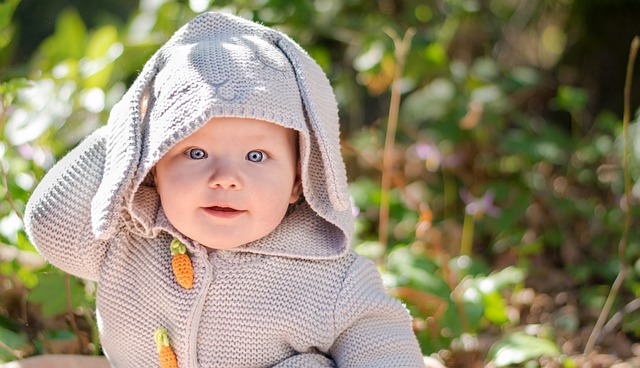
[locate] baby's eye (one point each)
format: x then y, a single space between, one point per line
256 156
196 153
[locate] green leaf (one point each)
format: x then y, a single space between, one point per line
551 144
51 293
417 272
431 102
10 88
499 280
571 98
70 34
435 54
6 12
101 40
371 249
524 76
102 50
495 308
13 340
520 348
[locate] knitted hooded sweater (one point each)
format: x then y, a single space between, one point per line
298 297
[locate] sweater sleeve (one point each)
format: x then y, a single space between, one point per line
372 328
58 215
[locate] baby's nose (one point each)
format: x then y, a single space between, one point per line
225 177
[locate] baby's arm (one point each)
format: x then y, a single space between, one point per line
58 215
372 328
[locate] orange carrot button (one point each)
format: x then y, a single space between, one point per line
181 264
167 356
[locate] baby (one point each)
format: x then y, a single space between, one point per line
213 212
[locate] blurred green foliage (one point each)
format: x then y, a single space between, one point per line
508 185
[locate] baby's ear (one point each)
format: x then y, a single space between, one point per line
296 190
144 103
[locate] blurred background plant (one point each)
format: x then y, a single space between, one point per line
506 201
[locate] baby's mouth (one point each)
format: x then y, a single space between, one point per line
223 211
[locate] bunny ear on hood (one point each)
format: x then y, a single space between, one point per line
122 155
220 65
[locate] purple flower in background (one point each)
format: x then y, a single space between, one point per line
478 207
355 210
430 154
434 158
25 151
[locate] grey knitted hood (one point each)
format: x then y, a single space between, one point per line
220 65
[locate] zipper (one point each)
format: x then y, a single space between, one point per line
193 322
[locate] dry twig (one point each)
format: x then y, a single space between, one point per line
402 47
622 246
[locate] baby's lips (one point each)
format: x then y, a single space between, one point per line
225 211
222 209
221 206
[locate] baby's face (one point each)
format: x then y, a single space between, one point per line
230 182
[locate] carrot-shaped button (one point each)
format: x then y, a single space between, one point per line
167 356
181 264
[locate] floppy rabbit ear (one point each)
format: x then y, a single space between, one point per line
123 150
324 158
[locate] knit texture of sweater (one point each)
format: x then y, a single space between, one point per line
298 297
